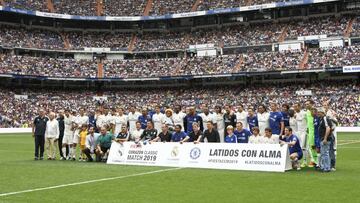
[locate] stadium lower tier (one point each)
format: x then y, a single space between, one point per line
248 62
20 106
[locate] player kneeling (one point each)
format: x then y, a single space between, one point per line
294 148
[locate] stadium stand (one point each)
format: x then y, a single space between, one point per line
11 36
235 35
44 66
247 62
129 7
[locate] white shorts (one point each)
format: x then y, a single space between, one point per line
221 135
302 138
76 137
68 139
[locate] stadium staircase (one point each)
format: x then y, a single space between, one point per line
283 34
99 7
349 27
146 12
100 71
65 40
196 5
304 60
148 7
237 67
50 6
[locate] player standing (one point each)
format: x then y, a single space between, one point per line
263 119
206 116
219 122
80 120
276 122
133 117
158 119
241 116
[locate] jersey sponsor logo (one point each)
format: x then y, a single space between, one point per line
195 153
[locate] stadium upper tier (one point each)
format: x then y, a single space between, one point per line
343 95
128 7
144 68
235 35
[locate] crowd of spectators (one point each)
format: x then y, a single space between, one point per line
356 27
32 38
125 7
196 65
268 61
329 26
78 7
334 57
170 66
235 35
45 66
33 5
115 41
130 7
343 96
163 7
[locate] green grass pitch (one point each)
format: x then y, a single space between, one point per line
18 172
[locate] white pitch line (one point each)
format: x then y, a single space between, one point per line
86 182
348 143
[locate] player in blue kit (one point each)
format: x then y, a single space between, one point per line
191 118
316 135
252 119
178 135
285 114
230 136
144 118
294 148
276 122
242 134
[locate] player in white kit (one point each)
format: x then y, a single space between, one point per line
219 122
69 122
120 119
241 116
301 124
206 116
263 119
158 119
80 120
178 116
133 117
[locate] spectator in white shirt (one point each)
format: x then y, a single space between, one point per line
51 136
255 138
136 134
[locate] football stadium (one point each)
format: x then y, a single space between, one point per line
179 100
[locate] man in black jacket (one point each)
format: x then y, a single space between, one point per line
210 134
60 120
325 138
38 132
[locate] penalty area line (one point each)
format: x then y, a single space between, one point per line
87 182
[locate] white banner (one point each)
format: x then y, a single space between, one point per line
312 37
331 43
252 157
304 92
290 46
21 96
351 69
